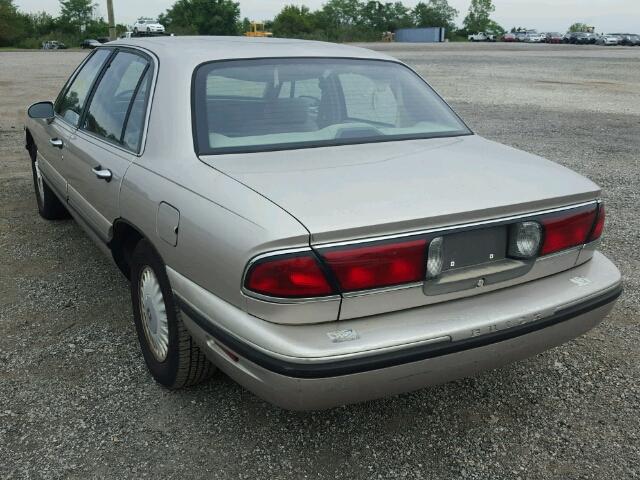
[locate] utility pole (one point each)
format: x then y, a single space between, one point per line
112 23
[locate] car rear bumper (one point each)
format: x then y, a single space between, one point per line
500 327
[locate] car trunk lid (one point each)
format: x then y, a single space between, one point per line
360 191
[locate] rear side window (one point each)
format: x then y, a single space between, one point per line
116 101
70 105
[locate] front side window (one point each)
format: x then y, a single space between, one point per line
116 102
272 104
70 105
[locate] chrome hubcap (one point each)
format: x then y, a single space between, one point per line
153 314
40 182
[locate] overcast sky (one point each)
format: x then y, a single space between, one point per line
545 15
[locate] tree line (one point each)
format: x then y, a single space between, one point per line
77 20
336 20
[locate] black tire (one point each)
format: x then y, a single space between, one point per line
49 205
184 364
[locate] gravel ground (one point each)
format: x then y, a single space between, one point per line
76 400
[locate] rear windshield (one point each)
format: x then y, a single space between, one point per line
276 104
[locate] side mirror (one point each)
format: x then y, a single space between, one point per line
41 110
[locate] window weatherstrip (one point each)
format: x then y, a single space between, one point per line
133 99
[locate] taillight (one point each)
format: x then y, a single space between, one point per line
380 265
291 276
568 229
599 226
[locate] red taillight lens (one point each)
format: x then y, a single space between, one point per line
382 265
294 276
599 226
567 229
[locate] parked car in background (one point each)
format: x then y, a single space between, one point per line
581 38
482 37
90 43
626 39
572 37
636 39
147 25
509 37
53 45
103 39
535 38
313 219
553 37
607 40
521 36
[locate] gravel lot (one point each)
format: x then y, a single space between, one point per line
76 400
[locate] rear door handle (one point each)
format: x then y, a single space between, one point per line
56 142
102 174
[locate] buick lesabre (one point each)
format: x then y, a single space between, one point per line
313 219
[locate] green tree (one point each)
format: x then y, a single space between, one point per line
341 13
384 17
293 21
75 14
203 17
244 25
495 28
478 19
435 13
579 27
41 23
13 24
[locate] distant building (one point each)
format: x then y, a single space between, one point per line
420 35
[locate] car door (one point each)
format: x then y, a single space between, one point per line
50 142
54 136
99 153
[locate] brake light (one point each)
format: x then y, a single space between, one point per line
599 226
568 229
292 276
381 265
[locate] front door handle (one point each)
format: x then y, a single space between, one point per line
102 174
56 142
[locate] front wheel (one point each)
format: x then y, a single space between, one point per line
172 356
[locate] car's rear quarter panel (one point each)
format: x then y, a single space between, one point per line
220 229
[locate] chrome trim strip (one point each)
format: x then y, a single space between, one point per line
452 227
288 301
374 291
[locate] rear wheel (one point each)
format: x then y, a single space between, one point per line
173 358
49 205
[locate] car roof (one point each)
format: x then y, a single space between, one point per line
190 51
